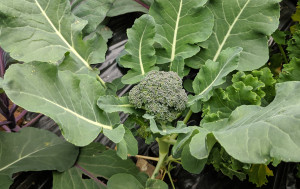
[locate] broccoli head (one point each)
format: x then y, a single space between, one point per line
160 94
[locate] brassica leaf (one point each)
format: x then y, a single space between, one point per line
243 24
180 25
141 54
69 99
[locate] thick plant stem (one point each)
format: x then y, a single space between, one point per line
164 145
163 153
188 116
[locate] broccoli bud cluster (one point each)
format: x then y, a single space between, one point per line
160 94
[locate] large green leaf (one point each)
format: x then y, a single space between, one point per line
262 134
141 54
95 161
181 24
69 99
242 23
106 163
33 150
42 30
72 178
213 74
125 6
94 11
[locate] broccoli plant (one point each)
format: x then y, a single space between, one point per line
222 41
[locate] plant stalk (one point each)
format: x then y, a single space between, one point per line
6 128
5 123
146 157
2 63
283 53
163 152
169 174
188 116
30 122
33 120
13 110
22 114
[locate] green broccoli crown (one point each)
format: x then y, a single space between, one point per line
160 94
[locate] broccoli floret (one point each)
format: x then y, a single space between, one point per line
160 94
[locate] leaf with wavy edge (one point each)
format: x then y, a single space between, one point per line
246 89
42 30
262 134
242 23
180 25
290 71
141 54
34 149
69 99
212 74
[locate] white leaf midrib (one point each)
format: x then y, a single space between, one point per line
71 48
67 110
140 52
229 31
175 34
218 75
5 167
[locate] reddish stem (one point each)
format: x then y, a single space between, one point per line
2 63
13 109
33 120
6 128
29 123
22 114
90 175
5 123
142 3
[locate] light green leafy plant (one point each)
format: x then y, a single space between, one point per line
224 41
